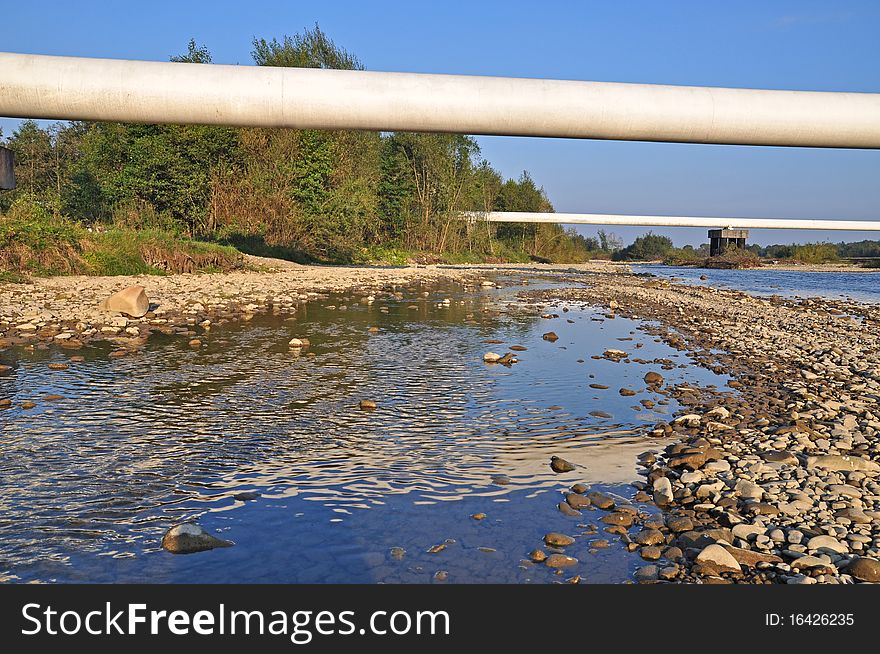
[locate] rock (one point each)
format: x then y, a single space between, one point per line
27 404
441 576
865 569
478 516
189 538
58 366
558 464
195 343
367 405
749 490
555 539
813 564
491 357
131 301
550 336
296 343
246 496
745 531
783 458
647 573
598 387
691 460
560 561
627 392
600 500
662 491
619 518
566 509
824 542
678 524
653 379
751 558
397 553
839 462
577 501
854 515
649 537
719 558
651 553
579 488
538 556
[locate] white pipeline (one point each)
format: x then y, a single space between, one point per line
71 88
672 221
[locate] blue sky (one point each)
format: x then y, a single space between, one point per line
824 46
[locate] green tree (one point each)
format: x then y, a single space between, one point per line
649 247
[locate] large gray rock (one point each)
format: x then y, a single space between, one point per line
131 301
188 538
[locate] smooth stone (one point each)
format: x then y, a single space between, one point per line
719 558
577 501
600 500
131 301
367 405
558 464
865 569
662 491
649 537
825 542
560 561
555 539
837 462
189 538
651 553
653 378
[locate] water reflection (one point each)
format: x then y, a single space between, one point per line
91 481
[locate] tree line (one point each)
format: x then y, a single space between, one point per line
302 194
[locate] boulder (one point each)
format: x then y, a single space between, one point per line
188 538
131 301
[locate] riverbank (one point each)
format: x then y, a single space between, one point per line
66 309
775 481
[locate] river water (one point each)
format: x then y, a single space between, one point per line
91 481
860 286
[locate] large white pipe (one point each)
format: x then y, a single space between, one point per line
672 221
38 86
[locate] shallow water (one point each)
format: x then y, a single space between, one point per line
89 483
861 286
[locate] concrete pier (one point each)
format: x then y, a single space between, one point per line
721 239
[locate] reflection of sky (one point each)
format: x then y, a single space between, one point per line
170 433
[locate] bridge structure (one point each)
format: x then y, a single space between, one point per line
75 88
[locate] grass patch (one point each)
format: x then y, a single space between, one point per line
33 242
